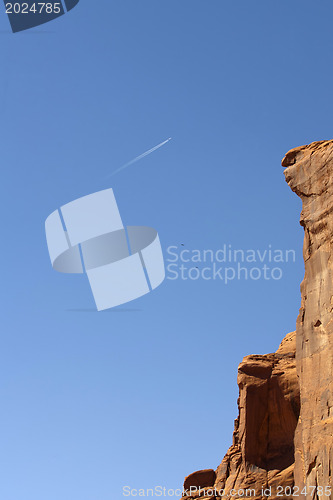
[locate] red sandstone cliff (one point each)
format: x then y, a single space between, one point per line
309 173
284 432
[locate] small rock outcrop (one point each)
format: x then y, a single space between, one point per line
201 479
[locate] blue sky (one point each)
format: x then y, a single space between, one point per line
145 394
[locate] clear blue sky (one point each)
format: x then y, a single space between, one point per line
145 394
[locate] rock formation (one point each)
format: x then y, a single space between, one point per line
283 435
262 453
309 173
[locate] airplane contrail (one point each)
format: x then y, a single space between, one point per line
140 157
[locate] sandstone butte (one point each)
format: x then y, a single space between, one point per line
283 434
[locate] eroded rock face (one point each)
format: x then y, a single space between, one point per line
309 173
262 453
